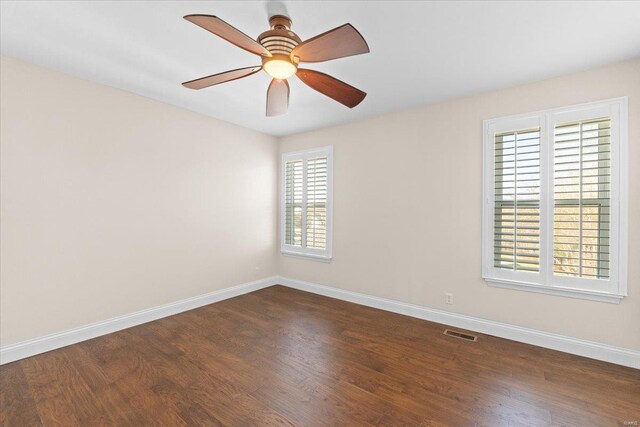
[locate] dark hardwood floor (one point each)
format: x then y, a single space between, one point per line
284 357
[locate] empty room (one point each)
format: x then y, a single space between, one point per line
319 213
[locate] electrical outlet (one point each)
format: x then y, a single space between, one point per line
448 298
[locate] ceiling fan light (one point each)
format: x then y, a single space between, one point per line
279 68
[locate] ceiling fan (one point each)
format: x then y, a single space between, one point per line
282 51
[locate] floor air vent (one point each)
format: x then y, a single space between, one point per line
460 335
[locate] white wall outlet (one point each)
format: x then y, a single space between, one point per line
448 298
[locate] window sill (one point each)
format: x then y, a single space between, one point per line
313 257
565 292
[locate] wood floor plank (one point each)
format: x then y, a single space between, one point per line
17 406
280 356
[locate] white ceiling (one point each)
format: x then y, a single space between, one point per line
421 52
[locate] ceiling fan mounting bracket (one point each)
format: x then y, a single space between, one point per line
280 22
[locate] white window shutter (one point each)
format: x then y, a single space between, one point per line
293 203
582 198
317 193
517 200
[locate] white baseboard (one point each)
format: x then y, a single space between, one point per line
620 356
35 346
594 350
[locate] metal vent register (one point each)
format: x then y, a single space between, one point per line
460 335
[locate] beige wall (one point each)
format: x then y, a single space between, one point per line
407 209
112 203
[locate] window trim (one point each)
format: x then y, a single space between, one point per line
324 255
612 290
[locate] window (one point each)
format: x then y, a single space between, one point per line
555 214
306 203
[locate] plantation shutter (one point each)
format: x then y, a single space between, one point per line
316 203
582 198
517 200
293 202
306 203
555 201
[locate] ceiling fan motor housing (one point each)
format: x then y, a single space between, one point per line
279 40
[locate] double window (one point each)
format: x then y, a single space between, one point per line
306 197
555 210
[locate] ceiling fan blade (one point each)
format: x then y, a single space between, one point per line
337 43
215 79
231 34
277 98
332 87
